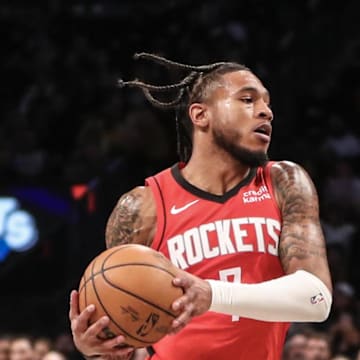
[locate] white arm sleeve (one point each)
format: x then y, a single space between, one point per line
298 297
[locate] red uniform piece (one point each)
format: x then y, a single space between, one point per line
232 237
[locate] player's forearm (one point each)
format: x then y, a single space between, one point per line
298 297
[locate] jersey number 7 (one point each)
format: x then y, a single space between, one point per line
231 275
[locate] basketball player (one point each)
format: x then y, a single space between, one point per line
244 230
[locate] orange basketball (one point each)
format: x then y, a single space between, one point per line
132 285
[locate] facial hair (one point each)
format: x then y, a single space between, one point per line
240 153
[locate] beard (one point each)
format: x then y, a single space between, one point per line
240 153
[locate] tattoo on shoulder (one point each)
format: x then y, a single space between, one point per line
124 222
302 238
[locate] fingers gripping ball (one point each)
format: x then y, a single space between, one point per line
132 285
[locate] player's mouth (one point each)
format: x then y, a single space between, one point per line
263 131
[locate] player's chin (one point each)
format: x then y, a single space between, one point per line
258 148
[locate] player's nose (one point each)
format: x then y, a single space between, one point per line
265 112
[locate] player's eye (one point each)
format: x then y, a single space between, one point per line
247 100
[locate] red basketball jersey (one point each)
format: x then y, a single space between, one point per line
232 237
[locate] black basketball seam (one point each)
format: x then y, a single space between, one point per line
86 291
135 295
107 313
82 286
123 265
141 264
121 247
164 212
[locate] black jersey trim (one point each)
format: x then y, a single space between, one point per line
163 210
175 171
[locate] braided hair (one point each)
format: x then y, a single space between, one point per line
194 87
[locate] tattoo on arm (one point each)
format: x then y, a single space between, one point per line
124 223
302 242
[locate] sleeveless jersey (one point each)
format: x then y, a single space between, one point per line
233 237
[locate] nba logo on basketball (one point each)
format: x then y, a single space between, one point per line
317 299
150 322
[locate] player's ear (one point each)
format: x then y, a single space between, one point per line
199 114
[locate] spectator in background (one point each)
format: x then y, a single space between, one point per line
29 158
318 346
22 348
343 323
344 302
64 344
339 234
5 341
344 298
42 346
341 141
88 158
354 265
342 188
6 148
54 355
295 347
127 138
345 335
338 230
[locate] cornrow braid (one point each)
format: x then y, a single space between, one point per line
169 63
147 88
192 88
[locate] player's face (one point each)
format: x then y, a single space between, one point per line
241 117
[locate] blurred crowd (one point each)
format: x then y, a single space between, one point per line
29 347
63 120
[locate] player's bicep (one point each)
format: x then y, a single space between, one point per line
132 220
302 244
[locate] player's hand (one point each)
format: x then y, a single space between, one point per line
85 336
195 301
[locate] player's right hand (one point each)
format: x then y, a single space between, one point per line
195 301
85 336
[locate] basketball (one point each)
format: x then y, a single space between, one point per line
132 285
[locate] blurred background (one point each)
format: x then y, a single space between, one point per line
71 141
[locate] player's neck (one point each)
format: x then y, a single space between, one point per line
214 175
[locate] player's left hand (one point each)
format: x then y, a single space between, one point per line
195 301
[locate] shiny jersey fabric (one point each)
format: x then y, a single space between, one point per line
233 237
